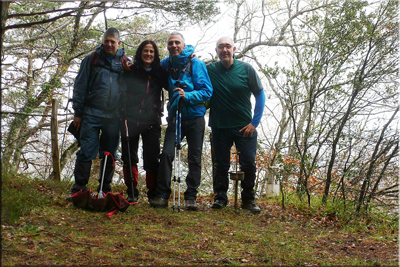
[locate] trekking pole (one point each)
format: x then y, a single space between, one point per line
179 157
178 147
129 157
175 171
174 179
101 194
177 162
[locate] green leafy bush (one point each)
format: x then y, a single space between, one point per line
21 194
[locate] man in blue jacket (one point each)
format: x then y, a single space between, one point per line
231 121
96 104
189 87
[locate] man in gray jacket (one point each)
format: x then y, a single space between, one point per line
96 103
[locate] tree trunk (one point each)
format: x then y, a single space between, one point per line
55 150
375 188
4 14
334 145
65 157
14 143
374 158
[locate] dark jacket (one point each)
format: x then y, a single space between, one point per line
97 90
141 99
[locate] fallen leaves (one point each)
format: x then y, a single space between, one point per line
203 238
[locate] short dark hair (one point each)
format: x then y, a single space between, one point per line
112 31
138 56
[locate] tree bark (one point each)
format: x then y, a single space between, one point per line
4 15
54 141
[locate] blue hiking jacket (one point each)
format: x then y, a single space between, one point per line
97 91
198 85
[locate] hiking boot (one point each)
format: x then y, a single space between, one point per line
132 199
251 206
218 204
190 204
159 202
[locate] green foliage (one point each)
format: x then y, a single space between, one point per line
383 220
328 89
333 42
135 30
187 10
18 196
51 231
45 41
47 87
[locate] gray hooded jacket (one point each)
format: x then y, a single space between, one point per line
97 89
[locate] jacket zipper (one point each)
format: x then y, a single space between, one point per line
109 95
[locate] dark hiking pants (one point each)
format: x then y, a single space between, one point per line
223 139
193 130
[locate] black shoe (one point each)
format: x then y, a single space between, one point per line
251 206
190 204
159 202
135 193
132 199
218 204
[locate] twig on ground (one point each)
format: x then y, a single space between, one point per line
67 237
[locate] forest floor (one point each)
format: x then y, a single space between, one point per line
52 231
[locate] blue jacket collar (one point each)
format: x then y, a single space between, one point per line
181 59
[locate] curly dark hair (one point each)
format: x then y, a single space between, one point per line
138 56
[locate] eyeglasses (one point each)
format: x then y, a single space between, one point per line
227 46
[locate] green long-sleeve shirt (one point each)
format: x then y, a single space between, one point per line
230 104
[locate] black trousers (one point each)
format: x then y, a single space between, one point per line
151 135
223 140
193 130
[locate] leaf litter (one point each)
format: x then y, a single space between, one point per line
61 234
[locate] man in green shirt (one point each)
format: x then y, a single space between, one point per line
231 121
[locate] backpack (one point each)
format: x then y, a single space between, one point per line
187 68
94 63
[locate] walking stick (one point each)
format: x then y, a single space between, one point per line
177 170
179 161
101 194
129 157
